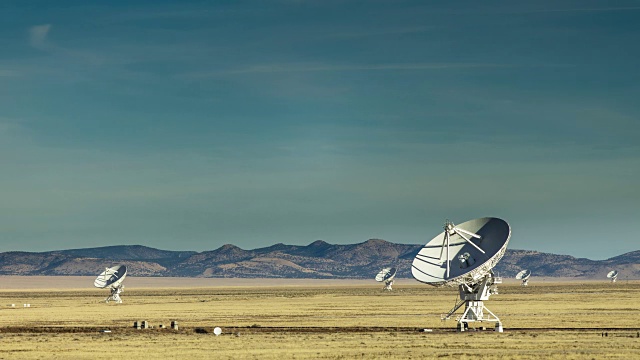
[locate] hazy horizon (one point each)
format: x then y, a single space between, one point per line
192 125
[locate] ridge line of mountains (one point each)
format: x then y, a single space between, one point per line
319 260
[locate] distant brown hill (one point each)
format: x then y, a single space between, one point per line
316 260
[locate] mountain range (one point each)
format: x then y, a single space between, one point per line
316 260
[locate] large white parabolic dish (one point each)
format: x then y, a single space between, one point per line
386 274
468 263
111 277
612 274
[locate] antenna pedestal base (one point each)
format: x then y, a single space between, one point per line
115 294
473 297
475 311
387 285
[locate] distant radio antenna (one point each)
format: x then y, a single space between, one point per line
112 278
613 275
464 256
524 275
387 275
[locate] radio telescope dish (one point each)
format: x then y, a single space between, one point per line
464 255
112 279
524 276
387 275
613 275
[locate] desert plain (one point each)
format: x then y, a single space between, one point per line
312 319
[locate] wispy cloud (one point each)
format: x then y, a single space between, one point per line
11 132
530 10
301 68
39 39
8 73
381 32
585 9
516 11
38 36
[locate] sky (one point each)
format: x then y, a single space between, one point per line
186 125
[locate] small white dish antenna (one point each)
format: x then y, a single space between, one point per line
524 275
217 331
387 275
613 275
464 255
112 279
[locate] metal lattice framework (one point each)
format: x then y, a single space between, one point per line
115 294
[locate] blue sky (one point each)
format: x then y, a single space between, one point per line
191 124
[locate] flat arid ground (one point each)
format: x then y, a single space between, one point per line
323 319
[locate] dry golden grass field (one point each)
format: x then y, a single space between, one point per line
301 319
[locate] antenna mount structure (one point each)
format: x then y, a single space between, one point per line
115 294
112 279
473 297
387 275
464 255
524 275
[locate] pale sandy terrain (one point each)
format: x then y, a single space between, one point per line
86 282
324 319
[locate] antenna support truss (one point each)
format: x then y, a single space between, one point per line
473 297
387 284
115 294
